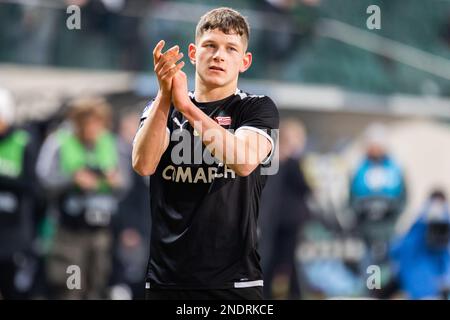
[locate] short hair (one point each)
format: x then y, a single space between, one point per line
225 19
83 108
438 194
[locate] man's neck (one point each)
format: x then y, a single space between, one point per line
204 93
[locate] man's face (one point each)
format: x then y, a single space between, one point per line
219 57
3 126
375 151
90 129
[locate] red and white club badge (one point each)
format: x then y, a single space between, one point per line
223 120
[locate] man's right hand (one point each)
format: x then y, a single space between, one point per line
152 139
165 66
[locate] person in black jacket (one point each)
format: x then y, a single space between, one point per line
17 204
283 211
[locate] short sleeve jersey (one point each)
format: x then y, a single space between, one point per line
204 216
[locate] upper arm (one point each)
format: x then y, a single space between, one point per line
144 117
257 141
258 124
166 140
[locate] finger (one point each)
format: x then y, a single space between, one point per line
167 61
172 50
170 63
163 57
157 51
173 70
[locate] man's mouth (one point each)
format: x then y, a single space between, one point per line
216 68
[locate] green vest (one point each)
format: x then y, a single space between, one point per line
12 150
75 156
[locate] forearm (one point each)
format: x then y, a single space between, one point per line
234 151
150 141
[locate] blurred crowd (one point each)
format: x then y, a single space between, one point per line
118 34
289 41
69 197
413 264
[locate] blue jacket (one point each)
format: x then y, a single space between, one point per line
422 271
378 179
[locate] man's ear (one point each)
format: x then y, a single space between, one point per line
192 49
246 62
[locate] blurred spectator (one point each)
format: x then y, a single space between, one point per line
18 191
35 34
445 31
378 189
286 24
97 37
132 223
79 167
377 198
132 51
283 210
422 255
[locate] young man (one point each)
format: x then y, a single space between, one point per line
205 151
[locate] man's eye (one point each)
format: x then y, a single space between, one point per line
232 49
210 45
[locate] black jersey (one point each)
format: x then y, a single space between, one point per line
204 216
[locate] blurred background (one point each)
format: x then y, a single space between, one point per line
358 209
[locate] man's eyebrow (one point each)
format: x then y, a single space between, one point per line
207 41
229 43
233 43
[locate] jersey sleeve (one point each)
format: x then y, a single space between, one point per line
261 115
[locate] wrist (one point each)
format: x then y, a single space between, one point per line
187 109
165 94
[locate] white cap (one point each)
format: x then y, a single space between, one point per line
376 134
6 106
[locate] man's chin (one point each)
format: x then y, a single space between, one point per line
215 82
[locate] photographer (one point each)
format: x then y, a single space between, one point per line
80 169
421 256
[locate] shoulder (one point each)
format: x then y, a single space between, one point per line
20 136
108 137
257 104
391 162
257 110
255 99
61 134
147 108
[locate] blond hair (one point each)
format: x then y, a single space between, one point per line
86 107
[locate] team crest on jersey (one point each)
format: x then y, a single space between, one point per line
223 120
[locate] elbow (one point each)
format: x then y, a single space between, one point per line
244 171
141 165
143 169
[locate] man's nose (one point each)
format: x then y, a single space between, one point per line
218 55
